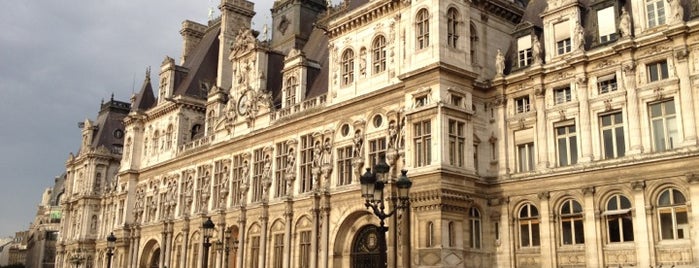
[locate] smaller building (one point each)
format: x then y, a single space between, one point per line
43 232
17 249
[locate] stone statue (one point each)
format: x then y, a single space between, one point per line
245 172
536 49
267 168
327 153
499 63
579 37
624 23
317 154
358 143
362 62
290 162
676 10
392 135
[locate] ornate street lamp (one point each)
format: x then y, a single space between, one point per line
207 229
226 246
373 185
111 239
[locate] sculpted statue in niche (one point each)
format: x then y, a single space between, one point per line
392 135
579 37
676 10
358 143
499 63
536 49
267 168
362 61
327 152
317 154
624 23
290 162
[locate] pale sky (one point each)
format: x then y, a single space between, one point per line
58 60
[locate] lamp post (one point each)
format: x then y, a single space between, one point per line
111 239
373 184
226 246
207 229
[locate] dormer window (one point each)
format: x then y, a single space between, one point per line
347 67
290 92
562 37
606 25
524 51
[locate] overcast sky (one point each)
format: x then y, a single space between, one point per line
58 60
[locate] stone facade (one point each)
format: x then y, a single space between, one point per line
544 139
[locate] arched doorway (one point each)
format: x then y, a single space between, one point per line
365 248
155 259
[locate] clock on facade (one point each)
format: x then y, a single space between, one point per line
243 104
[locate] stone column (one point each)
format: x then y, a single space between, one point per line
693 181
636 147
288 218
263 236
541 143
504 166
546 234
168 245
642 234
325 232
585 127
185 245
686 99
590 223
314 232
241 243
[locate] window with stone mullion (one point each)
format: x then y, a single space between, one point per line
612 129
236 176
258 169
379 51
278 260
664 125
280 162
344 165
422 142
306 164
377 148
456 143
567 145
305 249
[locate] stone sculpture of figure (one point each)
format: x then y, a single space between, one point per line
327 153
536 49
267 168
676 10
290 162
624 23
579 37
500 62
362 62
392 135
358 143
317 154
401 138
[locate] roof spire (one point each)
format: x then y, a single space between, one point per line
148 74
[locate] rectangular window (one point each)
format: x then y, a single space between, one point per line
422 141
280 164
203 186
522 104
606 84
456 100
657 71
524 51
305 249
377 148
258 166
254 251
606 24
306 163
655 10
562 95
278 261
562 32
663 125
344 165
612 135
220 178
525 157
567 146
238 166
420 101
457 141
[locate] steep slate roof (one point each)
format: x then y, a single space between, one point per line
145 99
316 49
109 119
202 66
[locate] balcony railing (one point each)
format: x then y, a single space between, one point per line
299 107
195 145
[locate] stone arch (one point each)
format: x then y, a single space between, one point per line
150 256
345 234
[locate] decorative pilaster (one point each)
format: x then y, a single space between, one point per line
241 248
590 219
585 127
641 231
288 218
541 144
629 77
686 98
693 181
548 241
263 235
314 232
325 231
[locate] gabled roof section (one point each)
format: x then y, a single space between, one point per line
145 99
202 66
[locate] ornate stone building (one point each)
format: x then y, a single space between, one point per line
43 231
556 133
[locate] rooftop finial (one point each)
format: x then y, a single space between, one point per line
148 73
211 10
112 97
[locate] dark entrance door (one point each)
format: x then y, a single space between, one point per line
365 248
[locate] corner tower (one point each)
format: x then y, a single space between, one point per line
292 22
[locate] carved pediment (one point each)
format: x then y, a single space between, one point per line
244 42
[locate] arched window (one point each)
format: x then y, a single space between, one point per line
422 29
156 140
452 27
572 223
347 67
474 44
619 222
528 226
378 49
429 238
474 226
672 215
196 131
168 136
290 91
